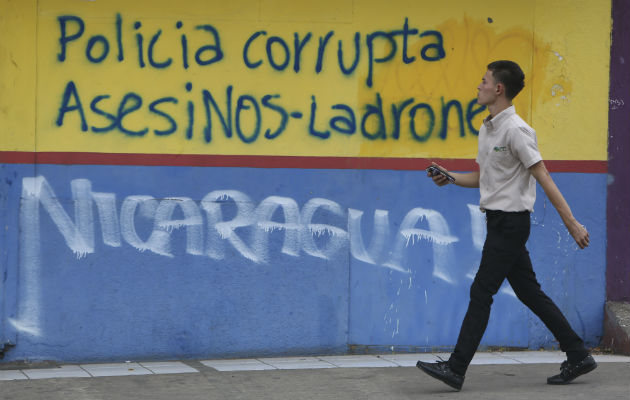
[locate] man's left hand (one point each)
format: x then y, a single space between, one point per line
579 233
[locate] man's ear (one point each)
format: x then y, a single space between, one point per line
499 89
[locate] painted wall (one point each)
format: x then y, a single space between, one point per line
242 178
618 205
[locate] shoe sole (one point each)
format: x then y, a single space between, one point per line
585 371
438 377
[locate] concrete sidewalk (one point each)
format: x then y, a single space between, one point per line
516 375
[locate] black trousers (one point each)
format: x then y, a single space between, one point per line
505 256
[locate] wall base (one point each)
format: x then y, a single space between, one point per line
617 327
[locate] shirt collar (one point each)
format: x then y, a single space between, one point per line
494 123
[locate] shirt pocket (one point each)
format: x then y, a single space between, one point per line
501 157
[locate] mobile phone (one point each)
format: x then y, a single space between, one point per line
433 171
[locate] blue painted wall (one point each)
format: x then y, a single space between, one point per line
305 261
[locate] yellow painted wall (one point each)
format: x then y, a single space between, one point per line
17 74
566 67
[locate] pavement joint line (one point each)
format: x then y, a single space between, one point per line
88 372
63 371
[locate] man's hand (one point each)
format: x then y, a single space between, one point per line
439 179
579 233
469 179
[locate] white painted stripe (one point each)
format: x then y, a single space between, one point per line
14 375
175 367
297 363
410 360
611 358
400 360
122 369
237 365
495 359
535 357
285 363
64 371
359 362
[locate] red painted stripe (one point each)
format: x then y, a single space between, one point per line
202 160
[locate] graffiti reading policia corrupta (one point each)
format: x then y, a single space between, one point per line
234 113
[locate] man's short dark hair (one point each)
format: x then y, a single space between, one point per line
510 75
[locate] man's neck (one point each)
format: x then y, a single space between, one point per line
497 107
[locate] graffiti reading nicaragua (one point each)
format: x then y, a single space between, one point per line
208 106
227 213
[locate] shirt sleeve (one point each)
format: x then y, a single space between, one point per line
524 145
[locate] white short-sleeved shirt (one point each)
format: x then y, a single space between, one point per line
507 148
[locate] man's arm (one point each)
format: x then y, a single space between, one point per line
469 180
578 231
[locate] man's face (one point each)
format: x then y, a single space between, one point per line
487 90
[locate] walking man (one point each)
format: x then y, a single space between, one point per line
509 166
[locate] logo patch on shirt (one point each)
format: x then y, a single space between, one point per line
498 149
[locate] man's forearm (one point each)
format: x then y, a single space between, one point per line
469 179
553 193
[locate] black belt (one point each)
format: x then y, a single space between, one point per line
499 212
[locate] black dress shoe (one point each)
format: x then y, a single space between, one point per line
441 370
569 372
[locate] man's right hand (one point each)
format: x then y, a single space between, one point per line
467 180
439 179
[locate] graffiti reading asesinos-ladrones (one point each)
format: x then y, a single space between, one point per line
235 112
